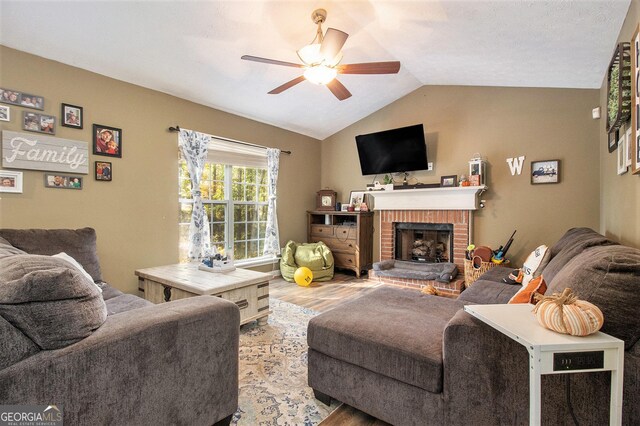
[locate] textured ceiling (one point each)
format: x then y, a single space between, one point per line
192 49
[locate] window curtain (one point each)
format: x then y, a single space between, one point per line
193 146
272 241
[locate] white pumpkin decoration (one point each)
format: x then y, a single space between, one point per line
565 313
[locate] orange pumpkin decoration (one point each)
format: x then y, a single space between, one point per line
565 313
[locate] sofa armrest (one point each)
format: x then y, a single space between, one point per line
486 381
172 363
486 374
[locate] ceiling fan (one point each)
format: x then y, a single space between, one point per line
321 59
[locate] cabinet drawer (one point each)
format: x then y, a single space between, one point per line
335 244
322 230
344 260
344 233
246 298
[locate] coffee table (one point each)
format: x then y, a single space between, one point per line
247 289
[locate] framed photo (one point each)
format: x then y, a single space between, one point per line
40 123
344 207
14 97
622 155
5 113
62 181
448 181
356 198
107 141
10 181
71 116
103 170
547 171
628 147
635 95
32 101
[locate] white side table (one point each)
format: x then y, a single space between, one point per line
555 353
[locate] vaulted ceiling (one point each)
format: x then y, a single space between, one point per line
192 49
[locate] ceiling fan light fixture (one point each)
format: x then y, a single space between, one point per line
320 74
310 54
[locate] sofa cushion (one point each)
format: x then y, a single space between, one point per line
79 244
6 249
125 302
488 292
48 301
391 331
14 345
572 243
495 274
608 277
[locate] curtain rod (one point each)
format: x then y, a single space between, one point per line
177 129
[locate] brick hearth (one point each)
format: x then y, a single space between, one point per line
460 219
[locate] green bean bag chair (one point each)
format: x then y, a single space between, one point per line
315 256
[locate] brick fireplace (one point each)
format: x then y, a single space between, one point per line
446 208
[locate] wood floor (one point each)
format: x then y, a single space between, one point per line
322 297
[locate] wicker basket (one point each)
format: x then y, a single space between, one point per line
472 273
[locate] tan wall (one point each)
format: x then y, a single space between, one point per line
136 214
499 123
620 195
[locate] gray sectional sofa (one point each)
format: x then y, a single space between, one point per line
414 359
104 356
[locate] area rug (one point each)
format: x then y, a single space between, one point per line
273 371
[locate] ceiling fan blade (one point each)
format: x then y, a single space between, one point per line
270 61
338 89
370 68
287 85
332 43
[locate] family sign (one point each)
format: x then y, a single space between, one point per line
26 151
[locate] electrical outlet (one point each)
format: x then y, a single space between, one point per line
430 166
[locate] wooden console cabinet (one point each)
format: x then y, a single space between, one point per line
349 235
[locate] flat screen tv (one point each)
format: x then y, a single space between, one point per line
392 151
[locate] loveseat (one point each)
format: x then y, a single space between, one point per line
106 357
414 359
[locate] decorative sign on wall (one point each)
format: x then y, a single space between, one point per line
35 152
515 165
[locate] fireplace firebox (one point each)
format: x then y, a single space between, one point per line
424 242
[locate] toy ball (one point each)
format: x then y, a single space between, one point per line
303 276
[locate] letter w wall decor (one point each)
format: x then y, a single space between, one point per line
35 152
515 165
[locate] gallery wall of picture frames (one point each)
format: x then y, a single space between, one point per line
106 140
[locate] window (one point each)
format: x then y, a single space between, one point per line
235 199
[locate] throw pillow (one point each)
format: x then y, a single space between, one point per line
64 256
535 263
49 301
527 292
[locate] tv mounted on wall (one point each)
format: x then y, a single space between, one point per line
392 151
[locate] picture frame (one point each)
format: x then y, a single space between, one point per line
40 123
622 155
60 181
344 207
449 181
628 144
619 103
107 141
356 198
71 116
103 171
15 97
545 172
635 90
10 181
5 113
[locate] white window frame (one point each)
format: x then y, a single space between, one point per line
229 204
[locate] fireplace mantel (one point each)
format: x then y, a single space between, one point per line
455 198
